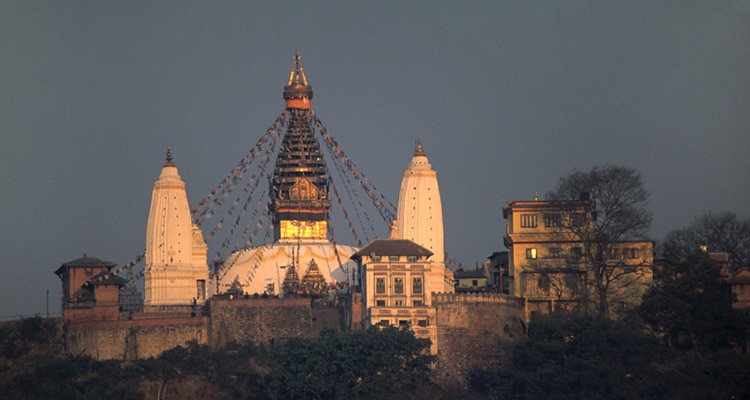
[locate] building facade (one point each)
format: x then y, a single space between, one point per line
549 264
398 282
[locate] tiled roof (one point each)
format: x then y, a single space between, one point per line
87 261
474 273
741 277
106 278
393 247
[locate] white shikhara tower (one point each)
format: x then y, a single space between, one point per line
176 271
420 212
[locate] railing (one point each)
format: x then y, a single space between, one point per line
25 316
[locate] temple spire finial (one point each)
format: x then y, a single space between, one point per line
297 92
169 159
419 151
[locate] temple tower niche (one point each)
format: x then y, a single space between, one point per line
299 187
420 211
176 271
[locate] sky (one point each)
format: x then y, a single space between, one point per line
506 97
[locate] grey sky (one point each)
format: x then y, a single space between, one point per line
505 97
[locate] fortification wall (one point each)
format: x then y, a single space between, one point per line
136 339
260 320
474 330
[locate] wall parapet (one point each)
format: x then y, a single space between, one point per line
445 298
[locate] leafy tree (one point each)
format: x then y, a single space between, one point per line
349 365
722 232
620 215
689 307
570 356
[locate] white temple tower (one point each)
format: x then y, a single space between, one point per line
420 212
176 271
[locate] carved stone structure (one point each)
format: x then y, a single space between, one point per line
176 271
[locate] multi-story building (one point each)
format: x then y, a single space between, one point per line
550 264
397 282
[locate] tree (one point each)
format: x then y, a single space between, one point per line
689 307
722 232
571 356
620 214
349 365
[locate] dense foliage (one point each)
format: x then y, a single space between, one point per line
690 308
587 357
578 357
352 365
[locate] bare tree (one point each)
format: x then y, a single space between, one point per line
722 232
618 214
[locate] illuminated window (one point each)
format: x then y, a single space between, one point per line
531 253
398 285
380 285
416 286
528 220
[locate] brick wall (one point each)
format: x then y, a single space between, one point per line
474 330
137 339
260 320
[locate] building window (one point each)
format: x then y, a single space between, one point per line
543 284
531 253
375 258
403 323
200 289
384 322
578 219
398 285
416 286
411 258
576 252
552 220
380 285
614 253
393 258
474 282
380 303
422 323
528 220
554 252
399 303
631 253
571 282
417 303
